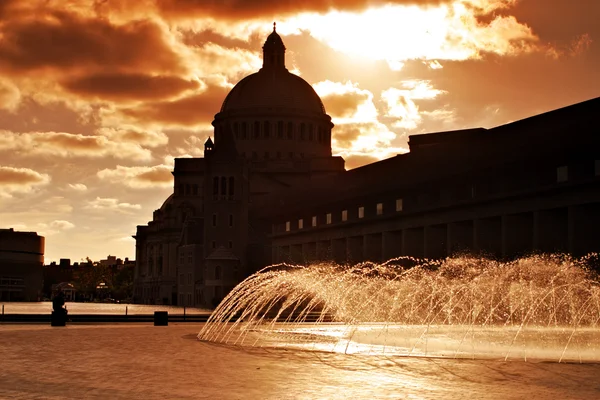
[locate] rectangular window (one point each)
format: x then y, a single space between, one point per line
190 259
562 174
287 226
214 244
214 220
230 220
344 215
189 278
181 278
379 208
230 244
314 221
361 212
328 218
300 223
399 204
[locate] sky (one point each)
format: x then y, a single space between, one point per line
98 97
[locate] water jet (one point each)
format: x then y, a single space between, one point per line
538 307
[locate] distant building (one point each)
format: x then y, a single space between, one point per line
21 261
268 190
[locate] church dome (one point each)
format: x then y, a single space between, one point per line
273 89
274 114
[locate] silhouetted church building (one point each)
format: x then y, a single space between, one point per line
268 190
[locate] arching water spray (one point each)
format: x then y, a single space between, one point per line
540 306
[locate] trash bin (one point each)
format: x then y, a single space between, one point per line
58 319
161 318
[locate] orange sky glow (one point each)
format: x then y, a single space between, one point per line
98 97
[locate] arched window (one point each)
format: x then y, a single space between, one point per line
244 130
310 132
290 131
218 272
280 129
267 129
235 129
187 189
302 130
320 134
231 185
223 186
256 132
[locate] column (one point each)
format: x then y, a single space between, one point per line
413 242
460 238
487 236
392 244
517 234
373 245
435 245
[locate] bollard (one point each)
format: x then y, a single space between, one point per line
161 318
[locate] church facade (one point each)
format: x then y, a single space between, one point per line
272 133
268 190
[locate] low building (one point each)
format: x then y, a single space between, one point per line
530 186
21 263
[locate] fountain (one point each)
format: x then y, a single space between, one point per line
543 307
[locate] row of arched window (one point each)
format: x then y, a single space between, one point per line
224 186
189 189
281 130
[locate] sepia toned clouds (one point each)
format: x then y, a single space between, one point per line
196 109
20 180
111 204
78 187
97 97
64 144
139 177
401 103
128 87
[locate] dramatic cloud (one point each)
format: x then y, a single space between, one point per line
401 102
196 109
78 187
62 225
110 204
239 9
127 87
133 134
342 100
58 41
20 180
68 145
139 177
10 95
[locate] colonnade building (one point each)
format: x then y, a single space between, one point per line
527 187
268 190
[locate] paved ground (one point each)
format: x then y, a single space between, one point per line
147 362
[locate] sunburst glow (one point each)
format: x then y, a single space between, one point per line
396 33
